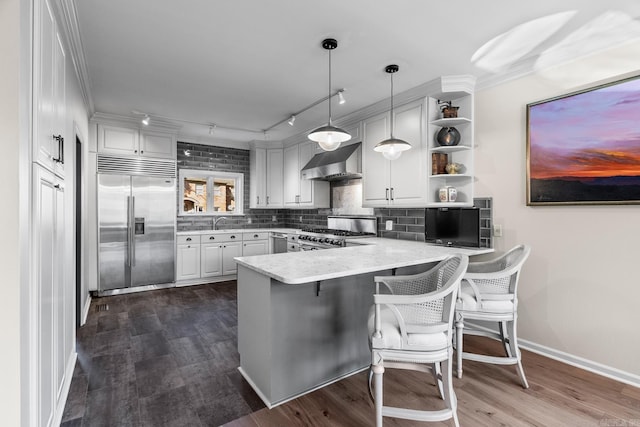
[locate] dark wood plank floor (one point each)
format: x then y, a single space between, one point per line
160 358
169 358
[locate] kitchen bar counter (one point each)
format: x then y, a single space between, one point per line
368 255
302 316
239 230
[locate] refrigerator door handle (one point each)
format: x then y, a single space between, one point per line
129 225
132 224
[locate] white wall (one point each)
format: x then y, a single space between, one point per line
580 289
10 130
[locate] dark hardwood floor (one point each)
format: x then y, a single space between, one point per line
160 358
169 358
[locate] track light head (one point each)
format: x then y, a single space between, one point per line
146 120
341 99
292 120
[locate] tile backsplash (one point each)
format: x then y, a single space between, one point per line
346 199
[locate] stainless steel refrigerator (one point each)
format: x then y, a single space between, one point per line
137 216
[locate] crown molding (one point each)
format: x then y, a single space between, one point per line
69 20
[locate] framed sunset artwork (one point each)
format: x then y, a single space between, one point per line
584 147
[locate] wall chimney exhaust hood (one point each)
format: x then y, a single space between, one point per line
343 163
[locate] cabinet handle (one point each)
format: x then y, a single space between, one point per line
255 236
188 239
60 158
257 200
141 151
267 199
391 193
57 186
212 238
386 194
135 151
233 237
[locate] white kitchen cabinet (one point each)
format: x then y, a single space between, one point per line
255 243
208 255
265 188
460 91
49 105
210 260
230 250
128 140
188 257
401 182
51 351
300 192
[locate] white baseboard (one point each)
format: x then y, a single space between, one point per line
85 310
582 363
573 360
64 394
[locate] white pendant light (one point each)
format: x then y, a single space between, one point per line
392 148
329 137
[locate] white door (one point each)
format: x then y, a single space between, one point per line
117 140
305 195
158 144
211 259
258 182
256 247
408 178
274 178
375 168
188 262
291 179
229 252
44 223
44 143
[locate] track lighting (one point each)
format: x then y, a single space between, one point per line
292 120
341 99
329 137
146 119
212 128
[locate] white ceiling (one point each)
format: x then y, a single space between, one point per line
249 64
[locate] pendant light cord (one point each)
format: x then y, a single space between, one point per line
329 87
391 105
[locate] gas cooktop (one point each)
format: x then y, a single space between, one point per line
335 232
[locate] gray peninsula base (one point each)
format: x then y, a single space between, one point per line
293 339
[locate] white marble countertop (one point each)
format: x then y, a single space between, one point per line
239 230
372 254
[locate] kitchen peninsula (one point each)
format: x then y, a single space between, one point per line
302 316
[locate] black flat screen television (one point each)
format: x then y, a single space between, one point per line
453 226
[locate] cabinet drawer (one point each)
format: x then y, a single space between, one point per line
187 239
255 236
222 237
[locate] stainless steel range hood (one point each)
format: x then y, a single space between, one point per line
343 163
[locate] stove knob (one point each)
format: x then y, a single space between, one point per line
327 240
302 238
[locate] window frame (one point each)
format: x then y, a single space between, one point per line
210 177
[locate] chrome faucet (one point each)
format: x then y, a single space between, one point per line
215 220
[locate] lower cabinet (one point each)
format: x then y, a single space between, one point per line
209 255
188 257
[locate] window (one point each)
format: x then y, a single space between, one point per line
211 193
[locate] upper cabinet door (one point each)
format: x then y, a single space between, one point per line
48 91
408 179
291 178
274 191
375 168
258 181
118 140
158 144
